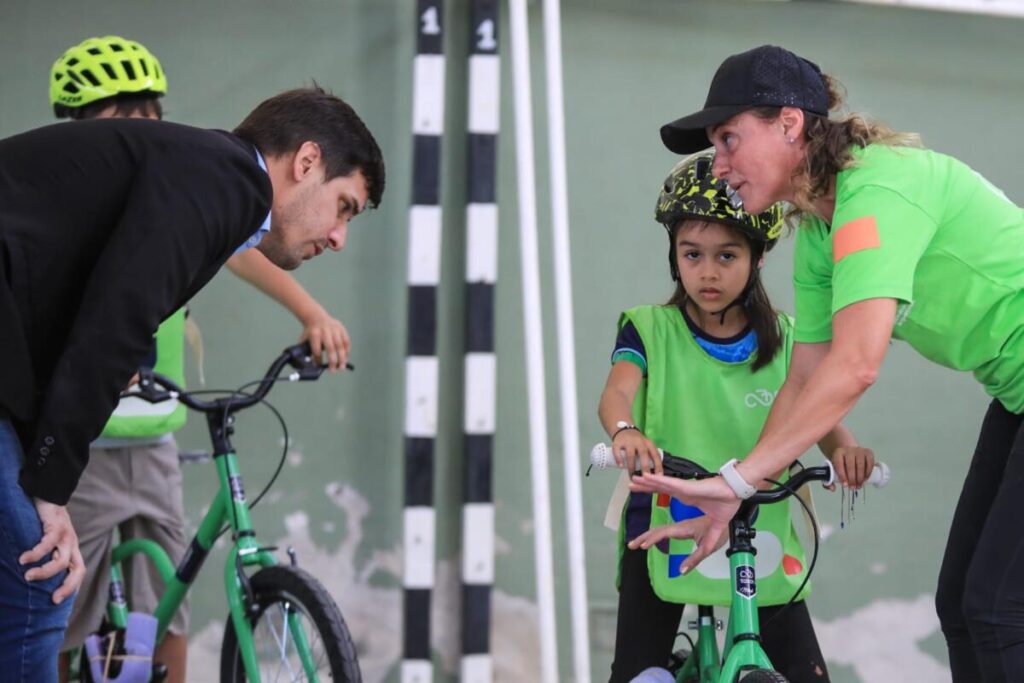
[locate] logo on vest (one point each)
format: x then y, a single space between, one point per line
759 397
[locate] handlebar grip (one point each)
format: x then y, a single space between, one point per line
879 477
601 456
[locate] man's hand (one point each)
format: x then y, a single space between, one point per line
712 496
60 542
328 336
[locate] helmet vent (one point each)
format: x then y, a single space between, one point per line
73 61
702 168
71 88
142 65
94 51
89 77
128 69
110 71
117 47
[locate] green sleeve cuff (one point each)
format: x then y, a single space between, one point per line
630 357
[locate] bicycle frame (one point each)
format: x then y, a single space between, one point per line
228 509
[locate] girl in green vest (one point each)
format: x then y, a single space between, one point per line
697 378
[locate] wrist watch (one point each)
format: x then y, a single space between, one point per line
736 482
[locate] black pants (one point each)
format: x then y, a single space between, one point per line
980 597
647 627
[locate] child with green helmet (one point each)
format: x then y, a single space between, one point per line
100 73
133 482
697 377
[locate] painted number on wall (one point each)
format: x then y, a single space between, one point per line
431 25
487 43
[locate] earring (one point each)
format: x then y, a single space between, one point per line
790 140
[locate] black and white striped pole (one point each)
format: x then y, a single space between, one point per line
480 363
421 367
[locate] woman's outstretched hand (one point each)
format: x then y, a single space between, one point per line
712 496
696 529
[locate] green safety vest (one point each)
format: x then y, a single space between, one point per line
135 418
697 407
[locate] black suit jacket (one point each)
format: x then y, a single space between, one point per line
106 228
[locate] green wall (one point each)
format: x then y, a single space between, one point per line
629 67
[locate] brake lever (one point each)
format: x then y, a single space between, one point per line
146 389
300 357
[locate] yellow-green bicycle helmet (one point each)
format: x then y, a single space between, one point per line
99 68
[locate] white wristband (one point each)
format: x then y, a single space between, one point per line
736 482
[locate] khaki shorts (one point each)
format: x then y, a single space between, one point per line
136 491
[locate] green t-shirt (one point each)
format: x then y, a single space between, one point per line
927 230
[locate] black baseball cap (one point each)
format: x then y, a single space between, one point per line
767 76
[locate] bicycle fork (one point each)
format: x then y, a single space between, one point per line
247 552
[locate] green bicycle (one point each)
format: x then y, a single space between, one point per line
283 624
743 657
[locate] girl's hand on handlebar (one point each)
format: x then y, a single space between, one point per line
629 445
712 496
853 465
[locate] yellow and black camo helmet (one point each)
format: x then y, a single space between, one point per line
691 192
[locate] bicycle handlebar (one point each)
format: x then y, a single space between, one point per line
154 387
673 466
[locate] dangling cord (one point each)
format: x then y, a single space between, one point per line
847 508
842 506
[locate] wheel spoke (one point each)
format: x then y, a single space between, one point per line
281 639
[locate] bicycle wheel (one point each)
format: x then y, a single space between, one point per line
763 676
282 592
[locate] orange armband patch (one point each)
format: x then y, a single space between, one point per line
857 235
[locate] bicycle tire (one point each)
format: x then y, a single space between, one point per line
297 590
763 676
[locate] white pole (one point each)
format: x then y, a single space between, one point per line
566 340
533 335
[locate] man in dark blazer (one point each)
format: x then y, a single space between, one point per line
106 227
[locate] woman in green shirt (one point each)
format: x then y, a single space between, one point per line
895 242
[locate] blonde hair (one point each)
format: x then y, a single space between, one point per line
829 141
